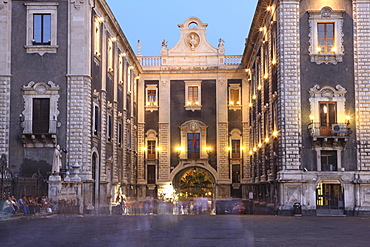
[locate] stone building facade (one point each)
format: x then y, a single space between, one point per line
191 116
308 117
69 80
287 122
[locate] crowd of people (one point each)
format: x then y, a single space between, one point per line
27 205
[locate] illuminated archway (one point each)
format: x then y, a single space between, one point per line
194 182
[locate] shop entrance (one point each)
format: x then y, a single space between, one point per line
329 198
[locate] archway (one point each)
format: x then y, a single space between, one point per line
195 187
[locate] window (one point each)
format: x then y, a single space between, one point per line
328 117
328 111
109 128
97 35
193 146
236 173
110 54
193 95
234 96
193 140
120 135
235 149
96 120
41 27
326 35
151 150
329 160
40 115
151 174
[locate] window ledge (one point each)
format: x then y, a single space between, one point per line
235 107
151 108
41 49
193 108
326 58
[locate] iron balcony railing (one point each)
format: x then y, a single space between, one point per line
317 129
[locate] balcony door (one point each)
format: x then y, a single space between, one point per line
328 116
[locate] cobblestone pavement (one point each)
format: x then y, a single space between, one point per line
189 231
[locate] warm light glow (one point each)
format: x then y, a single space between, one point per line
231 102
250 104
260 145
238 102
137 77
254 96
259 87
268 8
112 39
267 140
312 118
334 49
100 19
196 103
130 67
318 49
325 109
247 70
123 54
207 149
179 149
266 76
155 103
241 148
275 133
229 148
348 117
250 152
254 149
273 61
189 103
143 149
158 149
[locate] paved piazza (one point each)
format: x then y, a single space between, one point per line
189 231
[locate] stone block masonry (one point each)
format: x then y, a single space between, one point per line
289 84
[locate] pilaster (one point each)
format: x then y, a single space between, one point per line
361 16
223 159
5 62
289 89
164 155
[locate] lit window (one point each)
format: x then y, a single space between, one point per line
326 35
235 149
193 95
97 36
151 149
41 29
328 117
151 97
110 55
234 96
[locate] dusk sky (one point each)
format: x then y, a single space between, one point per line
151 21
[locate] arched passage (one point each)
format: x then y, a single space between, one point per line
194 182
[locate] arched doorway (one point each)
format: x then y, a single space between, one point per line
195 187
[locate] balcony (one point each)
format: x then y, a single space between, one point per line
39 135
338 131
